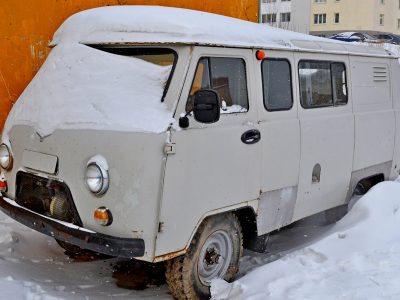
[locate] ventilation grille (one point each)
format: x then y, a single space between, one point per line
380 74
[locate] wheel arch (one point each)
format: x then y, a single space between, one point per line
370 181
246 213
374 174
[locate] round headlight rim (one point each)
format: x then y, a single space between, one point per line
10 160
104 179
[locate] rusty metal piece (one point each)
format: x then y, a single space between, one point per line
169 256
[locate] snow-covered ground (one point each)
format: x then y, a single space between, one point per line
33 267
356 258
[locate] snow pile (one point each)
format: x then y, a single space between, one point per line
389 47
81 87
394 49
358 259
156 24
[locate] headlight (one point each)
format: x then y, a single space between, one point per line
5 157
96 178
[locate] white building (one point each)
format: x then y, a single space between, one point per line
287 14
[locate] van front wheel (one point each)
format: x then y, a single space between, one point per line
213 253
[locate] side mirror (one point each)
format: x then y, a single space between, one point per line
206 106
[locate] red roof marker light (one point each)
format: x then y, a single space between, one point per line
260 55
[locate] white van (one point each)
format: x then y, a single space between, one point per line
165 134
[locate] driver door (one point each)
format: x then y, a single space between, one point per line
215 166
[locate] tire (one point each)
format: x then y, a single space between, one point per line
189 276
362 187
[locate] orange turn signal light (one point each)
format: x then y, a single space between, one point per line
103 216
260 55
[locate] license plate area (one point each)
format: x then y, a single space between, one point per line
40 161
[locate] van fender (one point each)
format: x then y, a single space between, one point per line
253 204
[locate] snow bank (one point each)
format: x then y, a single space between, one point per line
156 24
394 49
358 259
81 87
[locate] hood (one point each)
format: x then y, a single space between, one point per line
80 87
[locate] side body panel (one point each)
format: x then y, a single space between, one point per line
327 139
373 111
212 168
280 155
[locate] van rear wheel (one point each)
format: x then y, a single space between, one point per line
213 253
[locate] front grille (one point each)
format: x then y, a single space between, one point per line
47 197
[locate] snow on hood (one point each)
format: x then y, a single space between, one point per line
81 87
147 24
358 259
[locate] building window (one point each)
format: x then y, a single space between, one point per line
382 1
337 18
322 84
264 18
285 17
320 1
277 84
271 18
398 23
271 1
319 18
381 19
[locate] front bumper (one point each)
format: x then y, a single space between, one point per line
66 232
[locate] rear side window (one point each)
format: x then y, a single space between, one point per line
227 77
277 84
339 85
322 84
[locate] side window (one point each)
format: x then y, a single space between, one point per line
339 83
322 83
315 84
227 77
277 84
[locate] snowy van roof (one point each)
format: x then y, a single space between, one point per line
168 25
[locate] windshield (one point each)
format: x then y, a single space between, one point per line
83 87
160 56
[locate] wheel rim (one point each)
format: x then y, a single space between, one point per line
215 257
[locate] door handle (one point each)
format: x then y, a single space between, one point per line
251 136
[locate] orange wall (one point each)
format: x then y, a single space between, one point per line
26 27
